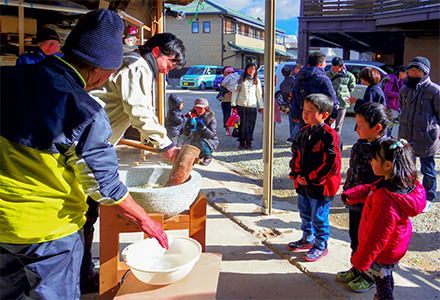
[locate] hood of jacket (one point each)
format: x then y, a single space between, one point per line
174 101
412 201
307 72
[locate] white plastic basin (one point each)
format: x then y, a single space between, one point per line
152 264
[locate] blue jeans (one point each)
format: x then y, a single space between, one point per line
294 126
204 148
48 270
429 177
314 220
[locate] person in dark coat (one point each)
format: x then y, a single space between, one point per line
175 119
312 80
419 101
201 130
374 93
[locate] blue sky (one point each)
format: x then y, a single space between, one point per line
287 11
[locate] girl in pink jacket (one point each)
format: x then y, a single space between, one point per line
385 228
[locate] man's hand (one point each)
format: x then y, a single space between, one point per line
132 211
154 229
260 110
171 154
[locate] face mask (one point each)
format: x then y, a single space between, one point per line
412 82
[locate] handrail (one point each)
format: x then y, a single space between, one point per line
360 7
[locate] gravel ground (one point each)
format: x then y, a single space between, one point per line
424 249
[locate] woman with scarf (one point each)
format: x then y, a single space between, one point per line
247 98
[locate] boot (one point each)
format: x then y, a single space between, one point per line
206 160
249 144
242 145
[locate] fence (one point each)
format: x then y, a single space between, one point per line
360 7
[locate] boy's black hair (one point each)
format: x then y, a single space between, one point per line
401 155
322 102
286 71
316 58
375 113
169 45
337 61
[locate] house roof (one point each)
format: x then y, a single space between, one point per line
258 50
212 8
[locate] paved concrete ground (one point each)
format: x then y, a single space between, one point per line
256 263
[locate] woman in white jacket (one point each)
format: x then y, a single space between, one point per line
246 97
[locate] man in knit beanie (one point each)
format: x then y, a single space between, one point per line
55 152
419 101
48 43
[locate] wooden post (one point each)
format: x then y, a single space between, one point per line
20 30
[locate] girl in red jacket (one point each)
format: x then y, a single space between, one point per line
385 228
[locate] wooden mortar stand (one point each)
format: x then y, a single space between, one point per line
111 224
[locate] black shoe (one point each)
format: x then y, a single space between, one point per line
242 145
90 285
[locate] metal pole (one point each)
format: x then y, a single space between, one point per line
269 61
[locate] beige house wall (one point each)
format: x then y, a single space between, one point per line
427 47
206 48
201 48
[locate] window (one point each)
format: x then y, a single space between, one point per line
229 27
195 27
206 27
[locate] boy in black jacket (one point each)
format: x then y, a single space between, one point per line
316 170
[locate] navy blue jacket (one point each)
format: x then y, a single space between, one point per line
373 93
313 80
174 120
44 107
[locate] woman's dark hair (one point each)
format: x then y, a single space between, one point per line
169 45
244 74
401 155
400 69
370 75
375 113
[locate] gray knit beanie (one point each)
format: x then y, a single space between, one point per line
421 63
96 40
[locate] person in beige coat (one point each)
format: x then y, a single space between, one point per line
247 99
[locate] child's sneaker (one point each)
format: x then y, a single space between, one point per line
315 254
347 276
299 245
361 285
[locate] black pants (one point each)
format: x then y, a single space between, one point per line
226 108
248 118
353 228
91 215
